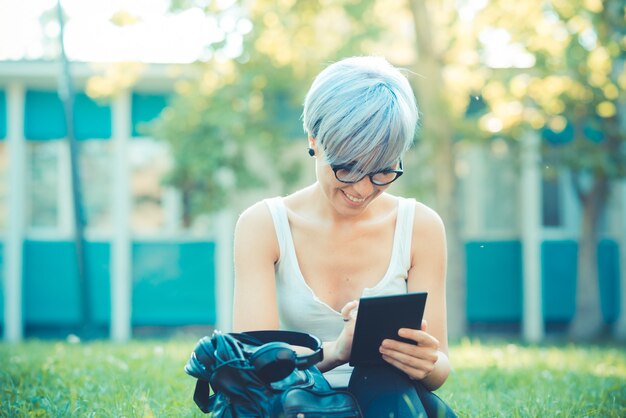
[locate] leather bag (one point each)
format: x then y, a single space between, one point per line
258 374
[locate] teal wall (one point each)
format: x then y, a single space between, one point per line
494 280
51 289
173 283
44 117
2 282
3 115
558 270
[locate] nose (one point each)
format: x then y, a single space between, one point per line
364 187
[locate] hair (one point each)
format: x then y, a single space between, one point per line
362 111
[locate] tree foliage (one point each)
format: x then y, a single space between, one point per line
573 94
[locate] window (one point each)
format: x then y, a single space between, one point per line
97 189
501 194
149 161
43 185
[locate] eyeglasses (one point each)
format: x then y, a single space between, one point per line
344 173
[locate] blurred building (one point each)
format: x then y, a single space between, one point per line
144 269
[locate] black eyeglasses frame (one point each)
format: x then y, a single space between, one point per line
348 167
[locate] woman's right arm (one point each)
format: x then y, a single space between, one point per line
255 253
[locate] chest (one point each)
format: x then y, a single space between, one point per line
338 263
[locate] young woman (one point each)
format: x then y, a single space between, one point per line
303 261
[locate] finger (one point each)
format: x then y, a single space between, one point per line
348 310
424 325
417 369
420 337
407 353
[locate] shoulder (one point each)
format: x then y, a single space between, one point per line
428 241
426 217
428 227
255 227
257 216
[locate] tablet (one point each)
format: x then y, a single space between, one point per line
381 317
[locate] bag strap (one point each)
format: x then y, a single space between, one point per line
300 339
201 396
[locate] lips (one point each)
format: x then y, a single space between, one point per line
354 199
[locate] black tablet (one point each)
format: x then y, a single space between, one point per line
381 317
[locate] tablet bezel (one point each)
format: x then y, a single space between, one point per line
380 317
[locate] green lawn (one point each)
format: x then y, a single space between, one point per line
146 378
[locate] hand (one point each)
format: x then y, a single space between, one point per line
343 345
417 361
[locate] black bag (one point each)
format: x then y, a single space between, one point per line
258 374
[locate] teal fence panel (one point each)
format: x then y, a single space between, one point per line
51 287
558 274
3 114
144 109
494 281
2 283
173 283
609 272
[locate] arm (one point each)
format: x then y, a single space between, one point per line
255 252
428 361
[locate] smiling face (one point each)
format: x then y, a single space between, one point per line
345 198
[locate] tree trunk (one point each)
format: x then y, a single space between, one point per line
588 323
437 128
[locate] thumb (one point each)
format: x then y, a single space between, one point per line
348 309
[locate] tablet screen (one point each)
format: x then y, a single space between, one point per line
381 317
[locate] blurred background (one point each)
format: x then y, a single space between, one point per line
132 134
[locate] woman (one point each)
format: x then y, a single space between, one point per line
303 261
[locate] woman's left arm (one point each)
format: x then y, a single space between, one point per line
428 360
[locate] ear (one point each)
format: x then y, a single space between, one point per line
312 143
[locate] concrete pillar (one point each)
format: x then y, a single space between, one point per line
532 326
224 284
121 249
14 242
619 329
474 200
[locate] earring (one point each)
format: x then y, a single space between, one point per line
311 152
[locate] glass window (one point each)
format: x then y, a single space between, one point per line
551 193
501 189
149 161
43 184
96 174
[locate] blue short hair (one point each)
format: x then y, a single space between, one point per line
362 111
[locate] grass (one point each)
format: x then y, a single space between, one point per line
146 378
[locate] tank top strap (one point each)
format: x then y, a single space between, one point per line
281 222
406 215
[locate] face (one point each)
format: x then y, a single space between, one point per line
346 198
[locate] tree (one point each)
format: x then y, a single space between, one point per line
239 105
291 41
574 94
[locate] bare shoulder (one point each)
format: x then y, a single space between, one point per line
428 247
427 221
255 229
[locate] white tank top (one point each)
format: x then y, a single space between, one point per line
299 309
